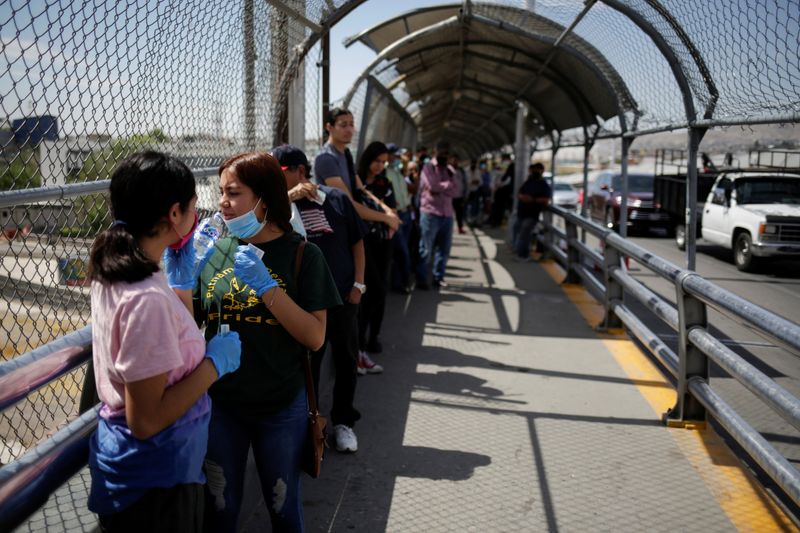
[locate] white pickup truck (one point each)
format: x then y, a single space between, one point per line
756 214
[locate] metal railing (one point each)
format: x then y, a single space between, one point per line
697 346
27 483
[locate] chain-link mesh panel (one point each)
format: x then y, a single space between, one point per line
84 85
751 49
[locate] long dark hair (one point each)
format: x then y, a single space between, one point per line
262 173
371 153
143 188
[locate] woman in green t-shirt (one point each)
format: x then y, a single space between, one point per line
279 319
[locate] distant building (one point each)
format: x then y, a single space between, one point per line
64 158
30 131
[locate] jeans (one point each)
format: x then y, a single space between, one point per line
342 334
277 441
401 263
435 240
523 229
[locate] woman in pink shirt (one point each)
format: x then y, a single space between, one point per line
152 365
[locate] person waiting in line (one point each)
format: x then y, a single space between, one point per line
334 166
401 265
438 187
502 194
152 366
412 182
460 201
473 194
331 222
280 315
533 197
378 248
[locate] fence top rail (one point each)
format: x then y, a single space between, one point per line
26 483
71 190
21 375
774 326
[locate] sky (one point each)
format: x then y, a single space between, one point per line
348 63
124 67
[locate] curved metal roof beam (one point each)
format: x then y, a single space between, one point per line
441 131
665 49
470 15
350 40
386 52
455 21
574 53
557 77
495 91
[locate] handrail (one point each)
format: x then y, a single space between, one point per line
21 375
697 345
26 484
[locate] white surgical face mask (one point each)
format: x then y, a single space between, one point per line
247 225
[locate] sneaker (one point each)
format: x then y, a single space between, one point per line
440 284
367 365
346 440
519 259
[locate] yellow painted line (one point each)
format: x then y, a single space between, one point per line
738 493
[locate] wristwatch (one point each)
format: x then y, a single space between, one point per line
360 286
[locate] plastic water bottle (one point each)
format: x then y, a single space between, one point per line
207 233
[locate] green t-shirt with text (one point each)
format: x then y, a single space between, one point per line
271 372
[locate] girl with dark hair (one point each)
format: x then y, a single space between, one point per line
251 284
152 367
378 250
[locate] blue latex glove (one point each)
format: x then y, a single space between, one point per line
182 267
225 351
249 268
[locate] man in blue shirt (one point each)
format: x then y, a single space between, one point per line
334 167
331 222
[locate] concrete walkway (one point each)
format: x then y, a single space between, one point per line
501 409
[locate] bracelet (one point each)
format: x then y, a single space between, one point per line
274 294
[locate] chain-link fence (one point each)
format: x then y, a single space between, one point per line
84 84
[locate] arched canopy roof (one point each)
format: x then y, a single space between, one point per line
464 70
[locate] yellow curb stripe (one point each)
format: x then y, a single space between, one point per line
740 496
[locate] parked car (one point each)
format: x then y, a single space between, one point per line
755 214
565 196
605 199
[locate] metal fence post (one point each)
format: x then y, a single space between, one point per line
612 259
692 362
573 254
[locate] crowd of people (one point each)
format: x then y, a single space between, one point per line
201 360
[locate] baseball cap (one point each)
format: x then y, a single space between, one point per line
393 148
289 155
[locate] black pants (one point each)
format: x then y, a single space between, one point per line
458 207
174 509
376 276
342 335
502 201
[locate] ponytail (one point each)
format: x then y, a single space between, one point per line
143 188
116 256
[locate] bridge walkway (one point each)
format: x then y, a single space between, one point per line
502 409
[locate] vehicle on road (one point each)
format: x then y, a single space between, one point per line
752 210
565 196
755 214
605 201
